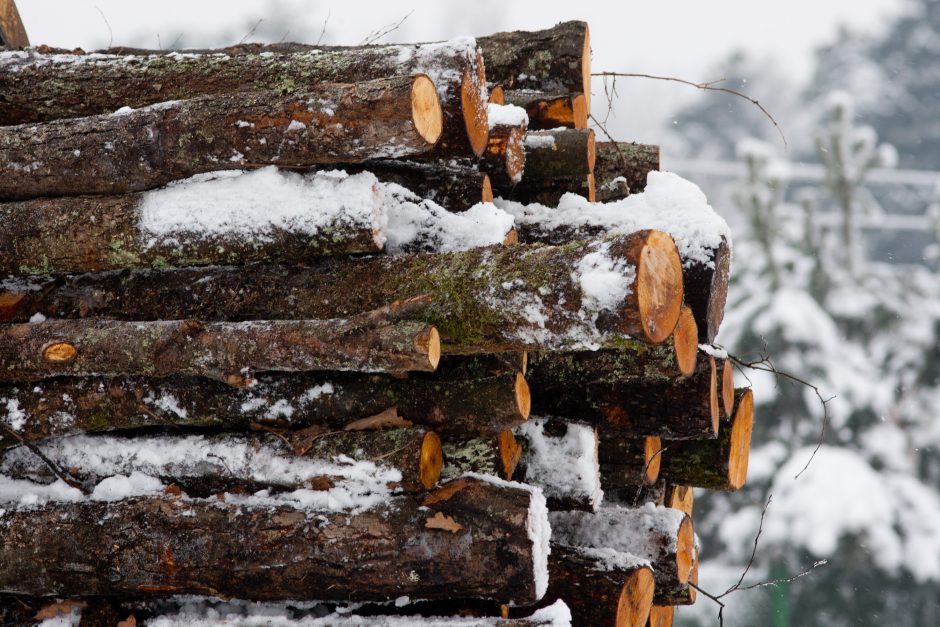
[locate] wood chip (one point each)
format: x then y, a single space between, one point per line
384 420
440 521
62 608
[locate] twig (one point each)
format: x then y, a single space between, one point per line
106 23
251 32
385 30
325 22
58 472
708 86
750 562
623 156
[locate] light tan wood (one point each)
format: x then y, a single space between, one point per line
12 31
586 68
580 113
59 352
652 454
426 109
591 190
727 386
685 341
510 452
713 394
685 550
487 194
659 287
680 497
661 616
497 95
741 440
432 459
473 104
523 394
636 599
434 347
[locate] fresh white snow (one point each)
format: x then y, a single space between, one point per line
506 115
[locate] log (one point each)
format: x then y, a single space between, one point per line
504 157
707 291
496 456
225 351
628 461
482 300
556 162
629 361
12 31
636 495
680 497
272 552
149 147
550 110
661 616
662 536
682 595
483 405
456 186
675 409
557 59
40 88
685 342
621 168
562 459
719 464
402 460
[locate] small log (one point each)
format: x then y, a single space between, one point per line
146 148
628 461
549 111
707 291
662 536
456 186
682 595
719 464
504 157
12 31
685 342
556 162
680 497
661 616
636 495
562 459
621 168
273 552
224 351
39 87
406 460
482 300
496 456
556 60
629 361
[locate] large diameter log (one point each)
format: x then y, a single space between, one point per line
661 535
621 168
628 461
12 31
456 186
562 459
39 87
448 543
146 148
482 300
405 460
483 405
719 464
549 111
557 59
220 350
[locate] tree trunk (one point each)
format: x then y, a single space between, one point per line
556 162
484 405
562 459
482 300
707 291
505 157
719 464
456 186
40 88
550 110
621 168
160 547
681 595
628 461
556 60
634 496
150 147
226 351
203 466
12 32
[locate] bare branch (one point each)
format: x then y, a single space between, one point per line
385 30
58 472
251 32
325 22
108 24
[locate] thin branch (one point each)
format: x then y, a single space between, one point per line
385 30
106 23
325 22
708 86
58 472
251 32
750 562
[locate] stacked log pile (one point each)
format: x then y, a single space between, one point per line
265 336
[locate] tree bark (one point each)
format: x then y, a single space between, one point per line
707 291
12 31
621 168
556 162
505 157
556 60
719 464
456 186
146 148
482 300
226 351
628 461
483 405
40 88
636 495
681 595
550 110
496 456
159 546
679 497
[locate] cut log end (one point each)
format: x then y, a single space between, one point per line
685 341
512 238
713 394
659 286
59 353
740 448
497 95
12 31
680 497
510 452
591 190
523 395
685 550
652 457
432 459
426 109
661 616
591 151
486 195
727 386
473 105
579 110
586 68
636 599
433 340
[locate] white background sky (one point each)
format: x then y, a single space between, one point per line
686 38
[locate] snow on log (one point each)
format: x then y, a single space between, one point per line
582 295
447 543
42 87
662 536
550 110
504 157
454 185
225 351
719 464
628 461
621 168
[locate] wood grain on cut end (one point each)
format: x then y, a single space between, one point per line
685 341
636 599
659 286
473 104
713 394
497 95
685 550
510 452
523 394
680 497
426 109
586 67
432 459
434 347
652 455
512 238
12 31
727 386
661 616
693 579
59 352
591 151
740 450
591 189
486 195
579 110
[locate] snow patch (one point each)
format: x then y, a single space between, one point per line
605 282
506 115
627 530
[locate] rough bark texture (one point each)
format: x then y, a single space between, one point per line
549 192
39 88
676 409
707 291
482 300
218 350
160 547
12 32
636 495
504 157
629 361
548 111
92 233
455 185
149 147
485 456
628 161
556 162
681 595
719 464
628 461
484 405
557 59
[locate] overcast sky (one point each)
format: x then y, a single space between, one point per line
686 38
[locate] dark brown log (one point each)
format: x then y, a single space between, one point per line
504 157
159 545
679 497
685 594
456 186
719 464
727 384
621 168
497 456
561 458
482 300
478 405
39 87
557 59
202 466
636 495
707 291
677 409
661 616
12 31
146 148
226 351
628 461
549 111
556 162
